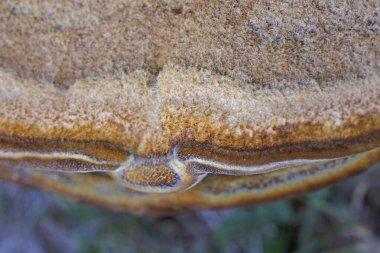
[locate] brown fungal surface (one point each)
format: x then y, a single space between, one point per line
164 106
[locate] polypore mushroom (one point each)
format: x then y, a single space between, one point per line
163 106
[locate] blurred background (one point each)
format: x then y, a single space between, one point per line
343 218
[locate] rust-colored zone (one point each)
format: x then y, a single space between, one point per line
312 148
327 149
306 137
95 149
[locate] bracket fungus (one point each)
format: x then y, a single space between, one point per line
164 106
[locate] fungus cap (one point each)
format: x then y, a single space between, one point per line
164 106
